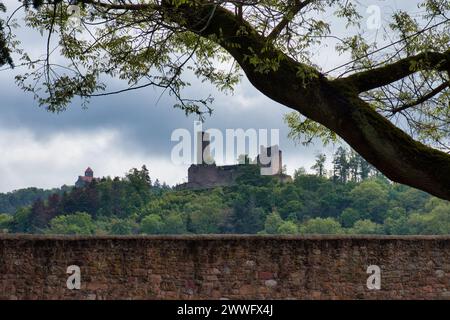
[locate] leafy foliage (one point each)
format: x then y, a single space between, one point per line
11 201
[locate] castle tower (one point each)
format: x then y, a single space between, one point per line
89 172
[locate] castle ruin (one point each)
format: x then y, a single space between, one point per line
206 174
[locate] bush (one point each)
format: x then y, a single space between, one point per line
366 227
6 221
321 226
288 227
77 223
273 223
152 224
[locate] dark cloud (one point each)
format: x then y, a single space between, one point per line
143 118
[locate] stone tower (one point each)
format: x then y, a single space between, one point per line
89 172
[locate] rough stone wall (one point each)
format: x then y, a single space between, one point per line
208 176
214 267
211 175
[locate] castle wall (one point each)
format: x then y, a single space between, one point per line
243 267
210 175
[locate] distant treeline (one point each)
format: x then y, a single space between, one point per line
11 201
353 199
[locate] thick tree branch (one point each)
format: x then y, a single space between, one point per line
375 78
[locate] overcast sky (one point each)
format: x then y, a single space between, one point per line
119 132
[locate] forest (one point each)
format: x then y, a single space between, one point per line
352 198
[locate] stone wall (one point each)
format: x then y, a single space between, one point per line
205 267
208 176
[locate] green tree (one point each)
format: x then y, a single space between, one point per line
366 227
349 216
6 222
321 226
287 227
122 226
319 165
340 165
412 199
353 166
246 216
22 220
370 199
397 226
174 224
77 223
272 223
5 51
299 172
152 224
11 201
364 167
208 219
292 208
435 222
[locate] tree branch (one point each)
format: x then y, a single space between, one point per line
375 78
296 8
423 99
122 6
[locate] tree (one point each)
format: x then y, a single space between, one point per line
319 165
152 224
321 226
246 216
435 222
272 223
366 227
349 216
299 172
353 165
39 216
287 227
206 217
11 201
365 168
122 226
6 221
5 52
272 43
174 223
340 165
77 223
22 220
370 199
